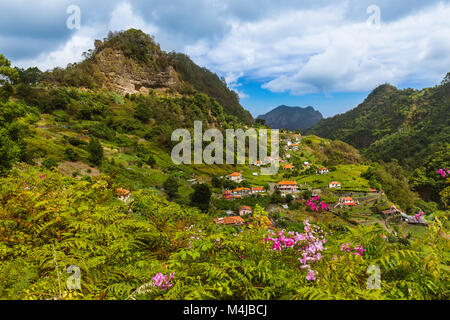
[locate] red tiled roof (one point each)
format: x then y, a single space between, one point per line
241 189
287 183
229 220
235 174
258 189
122 192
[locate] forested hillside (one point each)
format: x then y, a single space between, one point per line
87 182
132 62
407 125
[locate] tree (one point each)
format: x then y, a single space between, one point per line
29 76
95 150
143 112
216 182
71 154
171 186
7 74
201 197
9 153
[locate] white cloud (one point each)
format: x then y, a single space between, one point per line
70 52
122 18
310 51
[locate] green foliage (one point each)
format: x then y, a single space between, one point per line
394 183
7 74
171 186
95 150
50 163
201 197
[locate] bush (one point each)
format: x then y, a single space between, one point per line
50 163
71 154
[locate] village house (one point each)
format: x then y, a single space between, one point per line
244 210
242 191
235 176
323 170
372 190
123 194
288 167
287 186
230 221
307 164
348 201
258 190
334 184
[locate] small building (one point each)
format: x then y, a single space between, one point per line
258 190
323 170
230 221
334 184
235 176
242 191
258 163
244 210
288 167
348 201
372 190
287 186
123 194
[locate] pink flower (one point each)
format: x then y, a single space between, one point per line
162 281
311 275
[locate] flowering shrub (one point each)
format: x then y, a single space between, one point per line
417 216
309 244
315 205
357 250
162 281
443 172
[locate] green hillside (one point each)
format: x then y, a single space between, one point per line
87 180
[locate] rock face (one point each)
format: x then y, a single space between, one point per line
291 118
125 75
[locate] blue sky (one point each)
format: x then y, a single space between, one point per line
326 54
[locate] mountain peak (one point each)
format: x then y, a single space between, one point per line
132 62
292 118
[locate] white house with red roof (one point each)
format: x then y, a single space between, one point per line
235 176
288 187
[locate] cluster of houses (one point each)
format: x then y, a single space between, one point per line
241 192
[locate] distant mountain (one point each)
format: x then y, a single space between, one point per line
291 118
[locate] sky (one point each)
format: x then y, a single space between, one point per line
326 54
